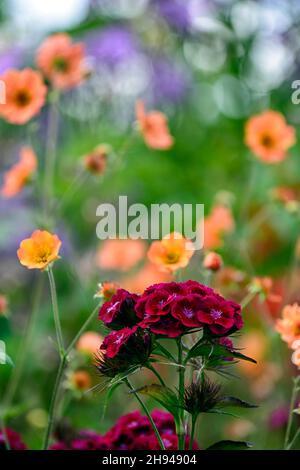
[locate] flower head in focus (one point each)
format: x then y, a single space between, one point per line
269 137
171 253
61 61
38 251
18 175
289 325
154 128
25 94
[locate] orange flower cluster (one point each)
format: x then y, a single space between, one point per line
18 175
171 253
269 137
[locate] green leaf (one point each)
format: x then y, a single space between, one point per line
211 350
230 445
236 402
164 396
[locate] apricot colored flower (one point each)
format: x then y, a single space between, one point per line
171 253
216 224
3 304
25 94
269 137
96 161
61 61
296 358
89 343
212 261
289 325
38 251
120 254
106 290
18 175
81 380
149 274
154 128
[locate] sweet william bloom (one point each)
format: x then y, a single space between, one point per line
119 310
269 137
89 343
171 253
120 254
154 128
3 304
38 251
61 61
14 439
18 175
289 325
114 341
25 94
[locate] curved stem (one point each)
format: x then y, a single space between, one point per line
51 418
150 367
126 381
55 312
181 371
82 329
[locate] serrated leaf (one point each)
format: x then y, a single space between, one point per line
230 445
163 395
235 402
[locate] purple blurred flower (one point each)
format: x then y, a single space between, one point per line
112 45
10 58
175 13
279 417
169 82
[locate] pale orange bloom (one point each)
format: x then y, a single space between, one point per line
106 290
154 128
212 261
148 275
289 325
38 251
120 254
296 358
216 224
18 175
25 94
61 61
269 137
3 304
81 380
171 253
264 286
253 344
89 343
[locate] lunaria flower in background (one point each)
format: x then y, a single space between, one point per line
3 304
171 253
212 261
96 161
120 254
38 251
218 223
269 137
61 61
289 325
25 94
14 439
154 128
19 174
106 290
89 343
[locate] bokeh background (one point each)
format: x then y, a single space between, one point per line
209 66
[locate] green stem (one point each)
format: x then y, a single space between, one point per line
181 371
55 312
51 418
150 367
290 421
82 329
131 388
246 300
3 429
194 420
291 444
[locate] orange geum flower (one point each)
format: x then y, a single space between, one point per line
80 380
96 161
269 137
216 224
61 61
18 175
120 254
25 94
296 358
106 290
38 251
289 325
89 343
171 253
154 128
